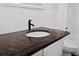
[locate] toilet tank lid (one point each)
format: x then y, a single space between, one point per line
70 45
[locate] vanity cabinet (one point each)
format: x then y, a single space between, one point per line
54 49
39 53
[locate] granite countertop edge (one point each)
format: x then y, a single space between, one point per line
18 40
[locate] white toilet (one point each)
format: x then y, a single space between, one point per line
69 48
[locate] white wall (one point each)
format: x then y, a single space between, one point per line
76 27
76 22
73 23
73 20
61 14
77 19
15 19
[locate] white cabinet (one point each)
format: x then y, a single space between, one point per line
54 49
39 53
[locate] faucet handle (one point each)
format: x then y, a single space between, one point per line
30 19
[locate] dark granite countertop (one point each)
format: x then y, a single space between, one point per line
17 43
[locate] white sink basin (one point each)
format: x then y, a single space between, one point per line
37 34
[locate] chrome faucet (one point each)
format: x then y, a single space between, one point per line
29 24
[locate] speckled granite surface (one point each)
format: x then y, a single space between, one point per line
17 43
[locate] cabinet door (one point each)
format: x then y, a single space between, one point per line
54 49
39 53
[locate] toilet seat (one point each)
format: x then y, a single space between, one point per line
69 46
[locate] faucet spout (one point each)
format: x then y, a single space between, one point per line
32 25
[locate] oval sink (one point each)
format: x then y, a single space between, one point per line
37 34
